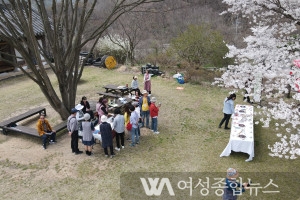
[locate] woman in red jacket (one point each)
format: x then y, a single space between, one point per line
154 114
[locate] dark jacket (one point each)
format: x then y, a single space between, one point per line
85 106
106 135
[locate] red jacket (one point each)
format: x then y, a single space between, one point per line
153 110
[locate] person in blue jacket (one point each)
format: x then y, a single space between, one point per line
228 110
233 189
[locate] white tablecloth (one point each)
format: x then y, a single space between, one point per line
241 135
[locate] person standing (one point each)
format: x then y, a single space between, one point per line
247 91
87 134
72 127
154 114
144 103
134 120
101 108
45 130
106 135
119 128
138 111
230 191
147 82
79 118
127 118
228 110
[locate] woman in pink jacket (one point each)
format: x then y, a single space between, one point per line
101 108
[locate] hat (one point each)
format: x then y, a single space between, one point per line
135 77
144 92
232 173
74 110
103 118
153 99
86 116
78 107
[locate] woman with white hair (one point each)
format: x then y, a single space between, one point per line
231 191
87 134
106 135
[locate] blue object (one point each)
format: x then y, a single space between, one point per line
180 79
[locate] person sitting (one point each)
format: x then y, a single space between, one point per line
86 107
45 130
135 86
137 95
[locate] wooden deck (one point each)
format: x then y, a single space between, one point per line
12 121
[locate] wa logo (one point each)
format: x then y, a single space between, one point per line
155 187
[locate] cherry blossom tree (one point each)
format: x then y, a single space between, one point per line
268 67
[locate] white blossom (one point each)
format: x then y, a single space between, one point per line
269 62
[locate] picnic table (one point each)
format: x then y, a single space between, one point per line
105 94
116 90
120 102
242 134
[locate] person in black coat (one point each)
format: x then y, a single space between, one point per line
86 107
106 135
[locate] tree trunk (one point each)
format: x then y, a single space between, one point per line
64 30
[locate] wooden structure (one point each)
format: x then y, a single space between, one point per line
10 57
11 124
117 90
105 94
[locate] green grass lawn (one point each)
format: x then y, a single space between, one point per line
189 141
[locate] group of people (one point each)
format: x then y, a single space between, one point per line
138 115
82 121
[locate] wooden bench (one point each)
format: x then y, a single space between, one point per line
12 121
109 94
33 131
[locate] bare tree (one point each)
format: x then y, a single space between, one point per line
64 29
131 28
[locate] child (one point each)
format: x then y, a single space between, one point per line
154 114
87 134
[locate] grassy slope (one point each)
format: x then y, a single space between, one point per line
189 140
